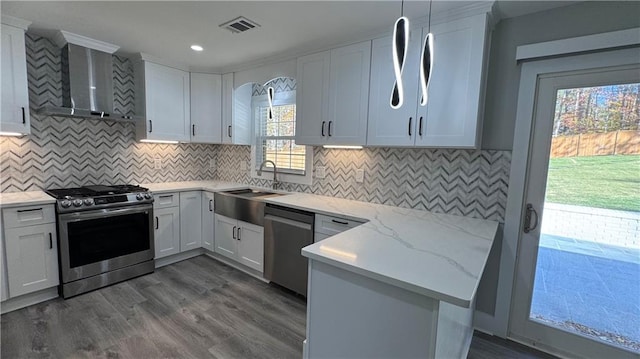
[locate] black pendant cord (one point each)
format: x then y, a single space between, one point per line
430 2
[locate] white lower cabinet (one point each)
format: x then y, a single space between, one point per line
31 250
190 220
208 222
240 241
167 231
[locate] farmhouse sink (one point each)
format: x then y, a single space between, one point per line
243 204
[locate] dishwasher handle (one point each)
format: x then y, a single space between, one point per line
302 225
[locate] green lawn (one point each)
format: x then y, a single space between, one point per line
611 182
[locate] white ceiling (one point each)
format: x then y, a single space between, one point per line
166 29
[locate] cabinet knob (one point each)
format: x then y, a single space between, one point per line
24 117
329 130
420 127
150 126
410 121
323 123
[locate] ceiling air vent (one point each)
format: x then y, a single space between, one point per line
239 24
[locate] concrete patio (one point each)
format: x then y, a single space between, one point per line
589 284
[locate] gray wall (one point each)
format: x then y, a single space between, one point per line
585 18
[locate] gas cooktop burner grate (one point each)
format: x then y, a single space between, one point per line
95 190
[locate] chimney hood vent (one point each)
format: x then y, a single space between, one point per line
87 79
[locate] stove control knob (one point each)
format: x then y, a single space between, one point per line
139 197
65 203
88 201
77 202
147 195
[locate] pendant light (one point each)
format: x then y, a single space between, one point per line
426 62
270 93
399 49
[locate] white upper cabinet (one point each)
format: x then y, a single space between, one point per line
15 95
236 116
332 96
206 108
453 115
165 103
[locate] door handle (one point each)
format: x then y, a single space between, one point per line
410 121
210 205
24 117
233 231
193 130
238 234
329 129
420 127
157 223
150 126
50 241
323 122
527 218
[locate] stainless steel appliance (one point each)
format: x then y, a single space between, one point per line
105 235
286 232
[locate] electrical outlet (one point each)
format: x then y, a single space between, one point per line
212 163
320 171
157 163
360 175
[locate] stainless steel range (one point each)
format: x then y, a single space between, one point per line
105 235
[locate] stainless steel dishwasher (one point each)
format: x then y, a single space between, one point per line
286 232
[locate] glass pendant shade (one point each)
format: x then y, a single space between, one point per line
426 65
399 51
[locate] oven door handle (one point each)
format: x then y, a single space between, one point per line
102 213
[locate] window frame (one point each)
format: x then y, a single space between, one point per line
282 98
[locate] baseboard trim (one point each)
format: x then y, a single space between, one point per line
28 299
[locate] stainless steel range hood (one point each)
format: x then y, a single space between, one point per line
87 79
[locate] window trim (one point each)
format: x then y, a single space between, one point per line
283 98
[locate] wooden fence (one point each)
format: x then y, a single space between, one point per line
596 144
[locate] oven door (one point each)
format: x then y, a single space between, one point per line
94 242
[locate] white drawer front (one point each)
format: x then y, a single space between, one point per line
28 216
333 225
165 200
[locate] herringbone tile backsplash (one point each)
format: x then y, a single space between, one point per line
67 152
462 182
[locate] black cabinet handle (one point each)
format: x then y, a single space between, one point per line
50 241
210 205
323 122
233 231
29 210
420 127
238 234
229 130
193 130
150 126
157 222
339 222
329 131
24 117
410 120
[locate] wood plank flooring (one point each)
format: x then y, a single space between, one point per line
197 308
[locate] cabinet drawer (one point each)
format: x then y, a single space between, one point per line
165 200
333 225
28 216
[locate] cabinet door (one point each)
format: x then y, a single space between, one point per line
4 289
167 231
32 258
349 94
251 245
242 119
15 96
453 113
227 108
206 108
167 103
190 220
225 239
388 126
312 96
208 221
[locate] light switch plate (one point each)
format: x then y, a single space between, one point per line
360 175
157 163
320 171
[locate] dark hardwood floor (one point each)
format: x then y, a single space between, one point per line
197 308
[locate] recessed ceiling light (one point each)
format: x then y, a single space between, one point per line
196 48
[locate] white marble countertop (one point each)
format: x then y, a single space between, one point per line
31 198
438 255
